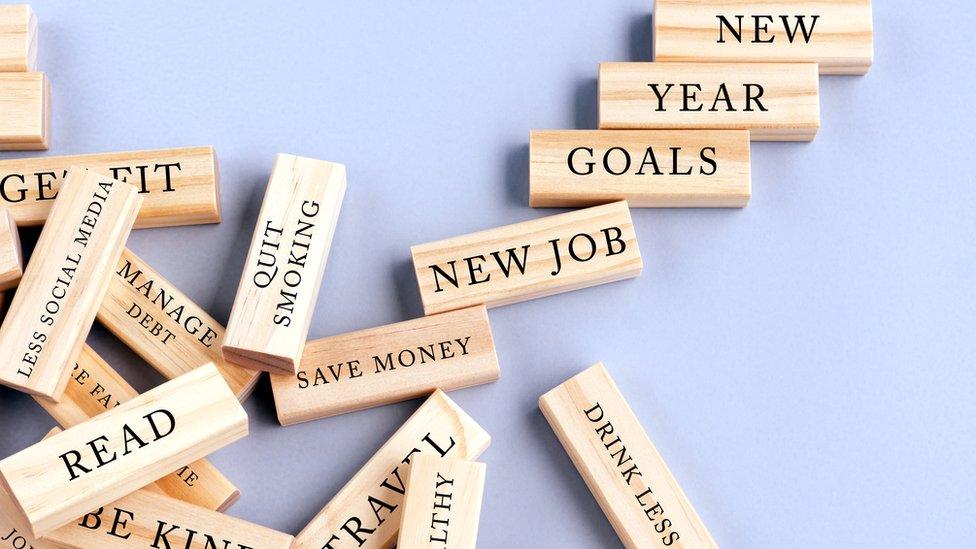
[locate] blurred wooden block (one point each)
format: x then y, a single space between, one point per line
647 168
620 465
536 258
144 519
388 364
283 270
838 35
774 101
165 327
95 387
65 281
366 512
443 504
123 449
25 111
11 254
18 39
179 186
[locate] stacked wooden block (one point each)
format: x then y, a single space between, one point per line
129 470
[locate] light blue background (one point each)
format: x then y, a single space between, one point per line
805 365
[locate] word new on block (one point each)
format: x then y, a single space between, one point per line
11 254
283 270
443 504
774 101
838 35
25 111
179 186
620 465
64 282
121 450
94 388
18 38
388 364
366 511
647 168
165 327
143 520
527 260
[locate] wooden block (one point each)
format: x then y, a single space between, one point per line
527 260
14 530
18 39
366 512
443 504
837 34
25 111
11 255
774 101
388 364
180 186
620 465
144 519
65 281
123 449
276 295
95 387
647 168
165 327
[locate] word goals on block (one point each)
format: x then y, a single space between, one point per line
620 465
647 168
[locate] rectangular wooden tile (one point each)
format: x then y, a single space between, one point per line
143 520
14 530
774 101
18 38
11 254
65 281
165 327
837 34
620 465
366 511
95 387
123 449
179 186
388 364
527 260
284 266
25 111
647 168
443 504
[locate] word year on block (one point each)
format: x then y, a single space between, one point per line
25 111
179 186
18 38
123 449
95 387
647 168
64 282
443 504
837 35
388 364
620 465
165 327
143 520
527 260
366 512
11 254
774 101
283 270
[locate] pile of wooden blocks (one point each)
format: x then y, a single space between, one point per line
130 470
